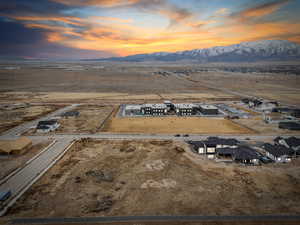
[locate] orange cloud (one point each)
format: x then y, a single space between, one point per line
123 37
69 20
261 10
221 11
102 3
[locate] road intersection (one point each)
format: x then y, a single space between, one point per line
20 181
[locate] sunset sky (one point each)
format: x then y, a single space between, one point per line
74 29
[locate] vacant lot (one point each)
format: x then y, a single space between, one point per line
173 125
113 178
256 123
13 117
90 119
12 162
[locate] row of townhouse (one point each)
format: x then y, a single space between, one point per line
180 109
283 150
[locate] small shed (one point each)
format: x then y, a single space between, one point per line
70 114
15 147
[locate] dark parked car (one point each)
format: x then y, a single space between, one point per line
185 135
4 195
177 135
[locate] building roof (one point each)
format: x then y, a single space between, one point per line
71 113
19 144
196 144
226 151
289 125
185 105
204 106
43 127
245 153
293 141
277 150
277 139
47 122
156 106
282 109
222 141
133 107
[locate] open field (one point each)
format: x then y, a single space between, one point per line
12 162
89 121
13 117
98 81
284 88
113 178
174 125
257 124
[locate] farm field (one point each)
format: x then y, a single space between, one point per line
174 125
112 178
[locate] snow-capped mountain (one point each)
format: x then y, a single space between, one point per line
246 51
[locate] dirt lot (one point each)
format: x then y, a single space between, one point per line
113 178
14 117
12 162
174 125
256 123
90 119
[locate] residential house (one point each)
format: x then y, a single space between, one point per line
209 147
291 142
246 155
278 153
47 126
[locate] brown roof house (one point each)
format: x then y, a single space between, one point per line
15 147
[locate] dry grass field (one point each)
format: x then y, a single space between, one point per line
89 121
137 81
279 87
174 125
257 124
113 178
14 117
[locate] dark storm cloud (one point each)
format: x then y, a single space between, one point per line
24 7
17 41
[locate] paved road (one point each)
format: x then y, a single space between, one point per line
16 131
152 136
19 182
24 178
136 219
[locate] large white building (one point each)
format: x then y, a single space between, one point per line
185 109
154 109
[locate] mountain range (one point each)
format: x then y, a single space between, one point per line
265 50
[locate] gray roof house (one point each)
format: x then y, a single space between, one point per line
278 153
291 142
